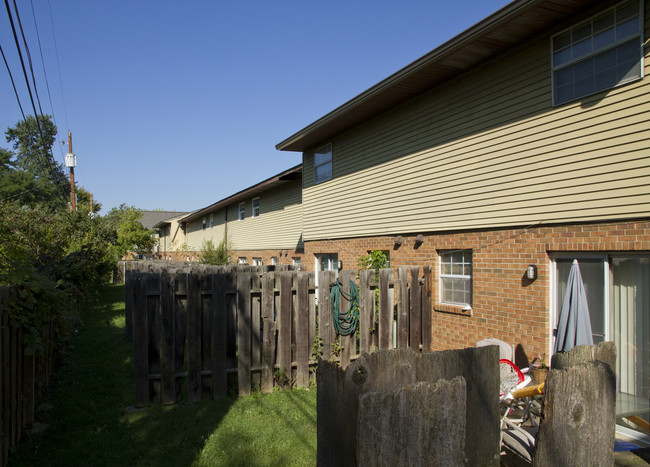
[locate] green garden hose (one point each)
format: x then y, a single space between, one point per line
345 323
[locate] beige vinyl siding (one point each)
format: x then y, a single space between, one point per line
488 150
196 235
279 225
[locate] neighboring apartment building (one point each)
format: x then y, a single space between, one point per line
262 223
171 238
150 220
523 141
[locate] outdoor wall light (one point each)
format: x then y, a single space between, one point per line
419 240
340 265
531 272
398 240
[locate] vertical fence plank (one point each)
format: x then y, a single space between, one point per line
129 296
268 347
366 311
29 373
427 310
193 338
284 322
313 330
402 307
385 310
168 388
325 278
140 344
301 317
155 333
344 305
180 326
207 297
415 307
219 311
244 326
256 324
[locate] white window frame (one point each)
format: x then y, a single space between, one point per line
255 207
326 152
466 277
275 261
596 53
241 260
257 262
296 262
241 213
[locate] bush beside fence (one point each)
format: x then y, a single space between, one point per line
194 327
23 375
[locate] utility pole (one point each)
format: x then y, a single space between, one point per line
71 161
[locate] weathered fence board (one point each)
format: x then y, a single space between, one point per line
194 328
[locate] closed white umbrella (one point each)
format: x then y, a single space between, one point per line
574 326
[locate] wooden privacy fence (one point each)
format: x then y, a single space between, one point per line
194 330
22 377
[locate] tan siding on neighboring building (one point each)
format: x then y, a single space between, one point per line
278 226
488 150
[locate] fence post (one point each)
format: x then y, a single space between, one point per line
345 342
385 310
284 323
140 344
219 328
301 316
403 307
268 346
415 308
244 333
325 278
427 310
366 311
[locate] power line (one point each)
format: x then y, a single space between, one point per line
29 56
58 66
47 83
12 82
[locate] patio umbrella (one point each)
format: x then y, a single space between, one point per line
574 326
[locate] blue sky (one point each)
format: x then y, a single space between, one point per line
175 105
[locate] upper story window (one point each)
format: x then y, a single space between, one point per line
323 164
242 211
600 53
456 277
211 220
256 207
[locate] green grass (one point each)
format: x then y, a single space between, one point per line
92 420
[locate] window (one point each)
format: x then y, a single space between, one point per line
274 261
323 164
456 277
296 263
241 260
242 211
203 224
256 207
617 287
598 54
211 220
257 261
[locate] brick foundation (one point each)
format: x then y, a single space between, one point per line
505 304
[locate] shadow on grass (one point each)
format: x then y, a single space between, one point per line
92 420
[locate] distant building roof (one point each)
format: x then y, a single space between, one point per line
150 218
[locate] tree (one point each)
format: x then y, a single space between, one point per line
128 235
36 176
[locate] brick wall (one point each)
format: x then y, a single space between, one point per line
505 304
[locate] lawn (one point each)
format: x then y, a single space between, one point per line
90 419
